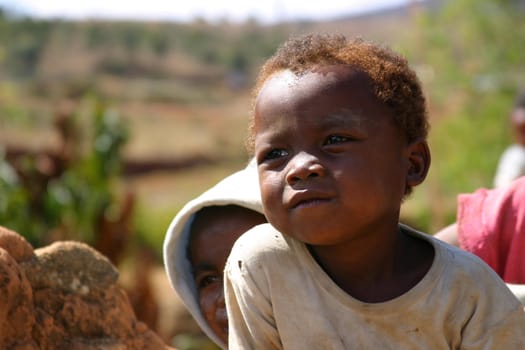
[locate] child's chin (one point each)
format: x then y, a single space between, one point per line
222 332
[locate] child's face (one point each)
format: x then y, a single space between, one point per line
518 125
212 238
332 163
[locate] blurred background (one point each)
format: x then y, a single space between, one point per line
113 116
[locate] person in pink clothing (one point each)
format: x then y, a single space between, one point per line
491 224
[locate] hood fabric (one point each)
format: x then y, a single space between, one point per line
240 188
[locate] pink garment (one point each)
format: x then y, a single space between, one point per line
491 225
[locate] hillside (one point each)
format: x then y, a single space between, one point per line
152 73
184 89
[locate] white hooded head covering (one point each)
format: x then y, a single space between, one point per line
240 188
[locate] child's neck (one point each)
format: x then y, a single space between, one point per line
376 270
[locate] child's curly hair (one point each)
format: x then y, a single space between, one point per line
394 83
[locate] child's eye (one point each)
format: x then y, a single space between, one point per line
275 153
204 281
336 139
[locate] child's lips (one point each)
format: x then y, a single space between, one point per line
310 203
222 317
308 198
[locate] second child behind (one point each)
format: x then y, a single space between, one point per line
199 240
339 134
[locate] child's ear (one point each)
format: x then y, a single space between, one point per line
419 162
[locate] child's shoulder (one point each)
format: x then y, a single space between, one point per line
459 276
467 277
259 253
462 269
258 242
454 261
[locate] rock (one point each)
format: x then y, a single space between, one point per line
65 296
16 306
16 245
70 266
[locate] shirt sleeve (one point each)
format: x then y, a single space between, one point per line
250 315
506 334
498 320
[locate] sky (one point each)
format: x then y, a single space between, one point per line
265 11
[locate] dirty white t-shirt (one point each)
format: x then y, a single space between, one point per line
278 297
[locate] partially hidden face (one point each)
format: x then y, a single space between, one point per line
332 162
213 232
518 125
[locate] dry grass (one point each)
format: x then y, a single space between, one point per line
167 130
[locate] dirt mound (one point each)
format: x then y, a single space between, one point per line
65 296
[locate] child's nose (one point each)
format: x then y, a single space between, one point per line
221 301
304 166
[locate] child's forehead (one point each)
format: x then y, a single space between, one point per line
333 73
223 217
315 80
222 213
321 99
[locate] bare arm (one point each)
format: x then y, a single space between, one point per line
449 234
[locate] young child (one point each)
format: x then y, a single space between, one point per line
511 164
199 240
339 134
